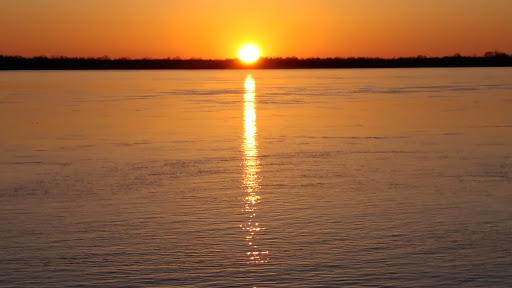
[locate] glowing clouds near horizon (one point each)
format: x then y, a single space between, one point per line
249 53
251 180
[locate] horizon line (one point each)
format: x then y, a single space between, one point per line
106 57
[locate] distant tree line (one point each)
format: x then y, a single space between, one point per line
490 59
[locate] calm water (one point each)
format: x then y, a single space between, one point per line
304 178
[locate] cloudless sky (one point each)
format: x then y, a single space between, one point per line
217 28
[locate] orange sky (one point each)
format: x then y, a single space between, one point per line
217 28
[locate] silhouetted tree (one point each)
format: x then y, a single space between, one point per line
494 58
495 54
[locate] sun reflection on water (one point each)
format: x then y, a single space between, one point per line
251 180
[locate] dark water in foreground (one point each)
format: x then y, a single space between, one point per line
304 178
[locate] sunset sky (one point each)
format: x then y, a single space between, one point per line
216 29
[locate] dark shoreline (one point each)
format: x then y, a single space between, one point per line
494 59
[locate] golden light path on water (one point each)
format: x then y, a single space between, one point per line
251 180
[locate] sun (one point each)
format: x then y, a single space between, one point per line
249 53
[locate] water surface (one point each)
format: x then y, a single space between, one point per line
264 178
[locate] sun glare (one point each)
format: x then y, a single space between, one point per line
249 53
